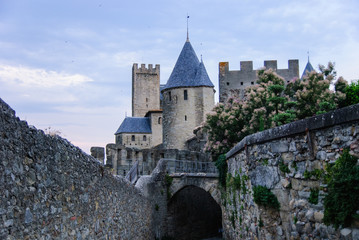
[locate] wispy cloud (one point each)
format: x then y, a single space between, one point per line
35 77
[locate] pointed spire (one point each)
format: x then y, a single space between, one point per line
188 71
308 68
187 29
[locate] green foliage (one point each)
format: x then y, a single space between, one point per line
224 126
283 167
237 182
295 219
233 219
168 182
294 165
314 196
157 207
313 95
263 196
260 224
270 103
316 173
221 165
341 202
265 161
352 93
244 188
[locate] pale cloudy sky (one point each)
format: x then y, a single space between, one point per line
66 64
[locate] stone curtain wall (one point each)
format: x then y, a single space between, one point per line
260 159
50 189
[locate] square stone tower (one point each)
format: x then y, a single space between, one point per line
145 89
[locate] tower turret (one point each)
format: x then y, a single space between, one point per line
187 97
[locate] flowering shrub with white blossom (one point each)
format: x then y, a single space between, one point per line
270 103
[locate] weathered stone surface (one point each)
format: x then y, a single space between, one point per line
318 216
50 189
279 147
345 233
265 176
298 218
355 234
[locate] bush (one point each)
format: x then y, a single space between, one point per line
263 196
352 93
341 202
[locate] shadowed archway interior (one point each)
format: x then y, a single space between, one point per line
193 214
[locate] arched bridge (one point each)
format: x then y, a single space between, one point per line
190 209
184 173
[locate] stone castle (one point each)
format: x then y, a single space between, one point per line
166 119
163 116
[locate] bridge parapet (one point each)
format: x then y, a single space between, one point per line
194 168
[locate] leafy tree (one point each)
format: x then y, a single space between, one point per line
224 126
352 93
270 103
341 202
313 95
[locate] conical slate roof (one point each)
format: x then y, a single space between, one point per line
308 68
135 125
188 71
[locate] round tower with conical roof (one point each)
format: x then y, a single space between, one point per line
187 97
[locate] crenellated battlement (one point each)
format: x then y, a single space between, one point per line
234 82
149 69
145 89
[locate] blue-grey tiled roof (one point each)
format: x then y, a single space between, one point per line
135 125
308 68
188 71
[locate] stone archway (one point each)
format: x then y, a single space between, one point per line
192 213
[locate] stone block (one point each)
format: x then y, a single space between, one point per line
297 184
355 234
321 155
345 233
285 182
287 157
310 215
318 216
264 176
279 147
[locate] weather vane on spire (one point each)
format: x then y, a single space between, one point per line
187 28
308 55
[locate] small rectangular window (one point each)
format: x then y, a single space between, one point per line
241 83
133 138
144 138
252 83
185 95
169 96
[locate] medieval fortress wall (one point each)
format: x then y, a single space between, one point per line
234 82
50 189
304 146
